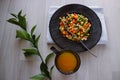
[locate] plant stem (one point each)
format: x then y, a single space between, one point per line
33 43
40 55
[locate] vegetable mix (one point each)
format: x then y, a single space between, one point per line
75 27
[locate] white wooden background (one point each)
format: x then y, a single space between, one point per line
13 65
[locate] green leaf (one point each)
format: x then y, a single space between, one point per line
29 52
44 68
33 37
24 15
22 22
48 57
38 77
51 69
33 29
14 15
13 21
23 35
18 20
19 13
36 41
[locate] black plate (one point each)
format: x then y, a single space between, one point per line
64 43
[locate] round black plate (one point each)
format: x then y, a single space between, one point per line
64 43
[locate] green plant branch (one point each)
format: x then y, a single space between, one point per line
40 55
20 20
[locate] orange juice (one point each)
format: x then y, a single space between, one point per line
66 62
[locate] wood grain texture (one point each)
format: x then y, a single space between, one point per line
13 64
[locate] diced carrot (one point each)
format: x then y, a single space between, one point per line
71 24
63 32
61 23
75 16
72 15
86 25
74 31
73 21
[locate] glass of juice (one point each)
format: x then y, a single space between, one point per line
66 61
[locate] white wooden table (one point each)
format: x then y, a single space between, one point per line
13 65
